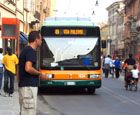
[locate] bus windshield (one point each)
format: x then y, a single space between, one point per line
70 51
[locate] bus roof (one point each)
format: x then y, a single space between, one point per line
67 21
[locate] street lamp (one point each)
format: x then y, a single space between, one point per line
93 13
109 40
96 4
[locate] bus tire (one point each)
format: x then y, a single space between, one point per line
91 90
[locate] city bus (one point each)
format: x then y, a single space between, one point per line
70 54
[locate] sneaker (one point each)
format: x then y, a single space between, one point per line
10 95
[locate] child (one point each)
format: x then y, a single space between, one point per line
135 73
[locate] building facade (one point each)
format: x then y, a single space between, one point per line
116 29
104 38
30 13
132 27
12 9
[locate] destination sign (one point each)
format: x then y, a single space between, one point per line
70 31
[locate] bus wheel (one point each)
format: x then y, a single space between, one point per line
91 90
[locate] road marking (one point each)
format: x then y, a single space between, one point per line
122 98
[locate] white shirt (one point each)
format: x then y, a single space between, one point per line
1 57
135 73
112 63
108 60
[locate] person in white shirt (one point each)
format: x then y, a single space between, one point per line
135 73
112 68
107 62
1 68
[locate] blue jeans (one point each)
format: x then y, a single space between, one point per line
8 76
107 69
1 76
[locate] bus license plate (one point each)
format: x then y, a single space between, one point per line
70 83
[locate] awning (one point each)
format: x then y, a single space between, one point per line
23 38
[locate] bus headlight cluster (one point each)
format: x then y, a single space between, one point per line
94 76
49 76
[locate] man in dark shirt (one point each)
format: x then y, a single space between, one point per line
29 75
128 63
130 60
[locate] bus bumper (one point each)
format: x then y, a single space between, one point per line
71 83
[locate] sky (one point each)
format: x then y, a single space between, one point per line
83 8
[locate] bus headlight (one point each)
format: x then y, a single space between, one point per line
94 76
49 76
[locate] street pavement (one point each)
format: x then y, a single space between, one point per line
110 99
10 105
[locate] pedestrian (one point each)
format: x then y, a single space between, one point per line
1 69
107 62
117 64
135 73
112 67
29 75
128 64
9 61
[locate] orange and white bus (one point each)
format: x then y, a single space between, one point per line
70 54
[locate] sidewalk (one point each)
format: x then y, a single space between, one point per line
9 105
